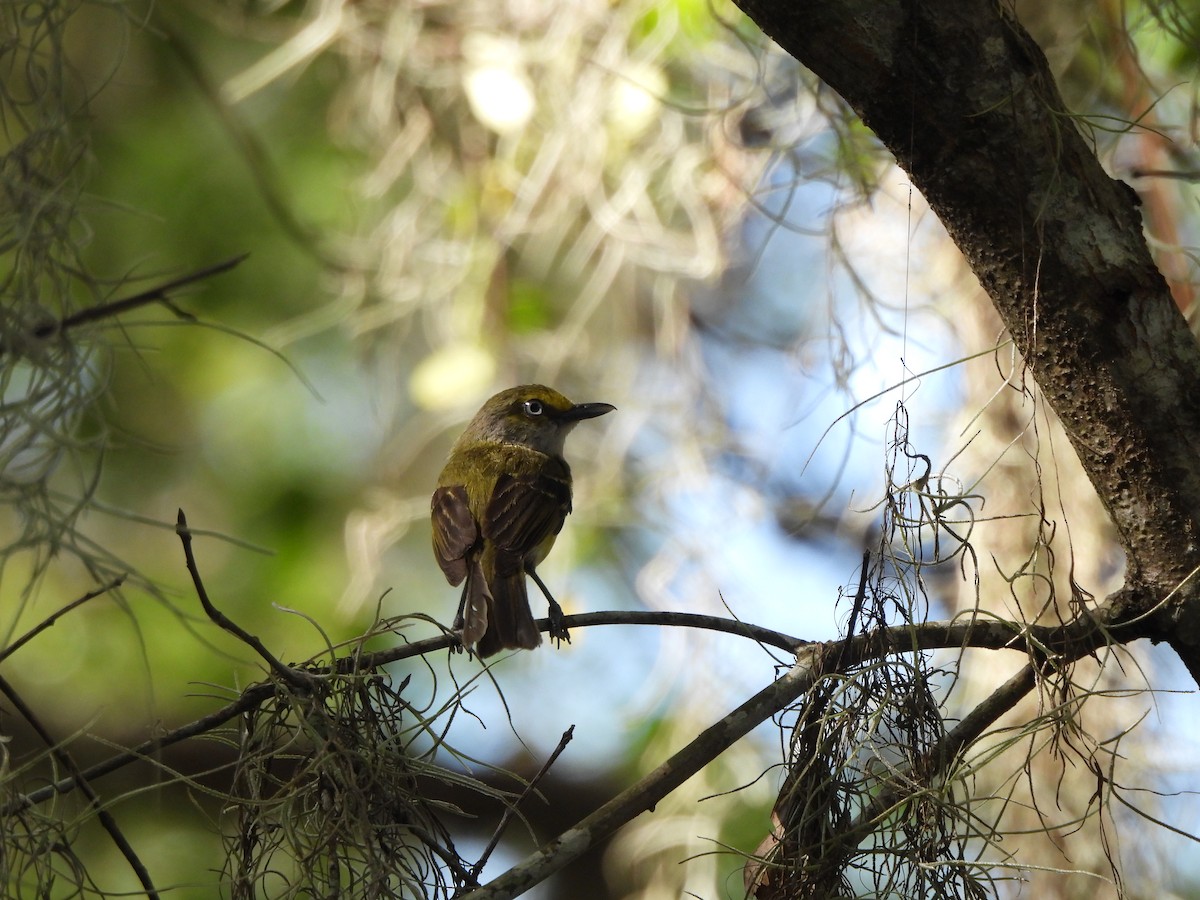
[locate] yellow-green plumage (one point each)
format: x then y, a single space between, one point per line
500 502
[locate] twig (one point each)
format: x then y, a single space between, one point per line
1073 641
156 294
1077 638
649 791
54 617
860 597
252 697
297 679
940 756
65 760
1178 174
682 620
510 811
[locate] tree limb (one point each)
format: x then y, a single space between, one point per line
814 662
67 761
299 680
1068 642
964 99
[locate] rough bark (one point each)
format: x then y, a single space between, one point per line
963 98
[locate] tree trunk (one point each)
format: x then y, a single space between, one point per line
964 99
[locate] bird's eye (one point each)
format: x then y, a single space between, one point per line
534 407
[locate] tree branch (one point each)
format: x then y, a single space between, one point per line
1072 641
964 99
646 793
814 662
157 294
511 810
300 680
64 759
58 614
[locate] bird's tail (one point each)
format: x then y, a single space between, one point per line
473 612
498 617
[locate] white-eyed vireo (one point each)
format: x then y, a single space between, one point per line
500 502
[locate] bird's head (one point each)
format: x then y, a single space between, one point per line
531 415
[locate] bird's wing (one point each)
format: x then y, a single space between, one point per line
454 531
525 510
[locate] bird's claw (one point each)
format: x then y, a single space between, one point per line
558 631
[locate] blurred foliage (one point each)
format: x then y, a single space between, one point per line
408 244
437 199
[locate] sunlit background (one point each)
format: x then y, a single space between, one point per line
641 203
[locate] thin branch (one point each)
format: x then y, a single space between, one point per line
55 616
649 791
157 294
510 811
860 597
996 634
65 760
1178 174
755 633
251 698
300 680
1075 639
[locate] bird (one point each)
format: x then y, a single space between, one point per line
500 502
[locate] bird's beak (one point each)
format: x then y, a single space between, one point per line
581 411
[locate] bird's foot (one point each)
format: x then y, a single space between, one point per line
558 631
459 623
456 629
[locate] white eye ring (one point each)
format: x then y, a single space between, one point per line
534 407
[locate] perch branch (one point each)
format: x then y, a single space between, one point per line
64 759
1077 638
55 616
297 679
